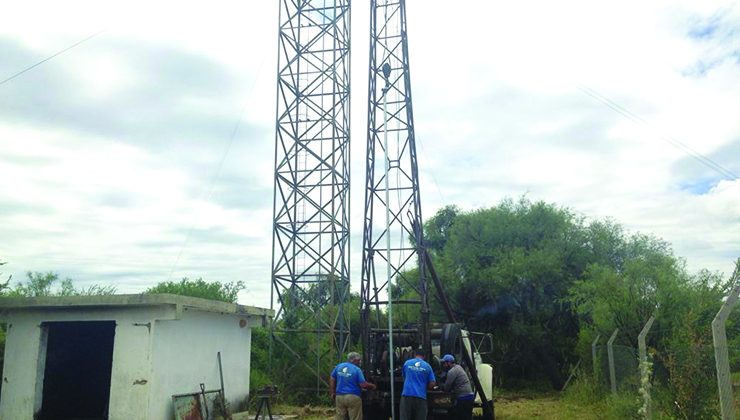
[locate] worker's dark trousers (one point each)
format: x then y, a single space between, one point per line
413 408
463 410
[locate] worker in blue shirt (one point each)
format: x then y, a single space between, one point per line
346 385
418 377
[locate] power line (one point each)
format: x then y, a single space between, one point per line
726 173
431 173
51 57
209 192
217 172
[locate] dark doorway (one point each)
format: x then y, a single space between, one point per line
79 357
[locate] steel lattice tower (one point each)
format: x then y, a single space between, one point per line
310 251
389 49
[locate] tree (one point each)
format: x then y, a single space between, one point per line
544 282
437 229
641 278
226 292
624 289
4 286
3 329
512 266
49 284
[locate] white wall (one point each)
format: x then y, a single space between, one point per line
131 374
19 371
155 356
131 360
184 356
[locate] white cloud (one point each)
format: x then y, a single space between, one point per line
122 190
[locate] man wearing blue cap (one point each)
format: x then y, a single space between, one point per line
458 384
417 378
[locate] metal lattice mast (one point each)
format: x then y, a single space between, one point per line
310 251
389 46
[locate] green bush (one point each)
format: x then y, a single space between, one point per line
214 290
622 406
259 363
584 391
591 397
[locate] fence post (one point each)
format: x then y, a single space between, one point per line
610 354
593 356
721 357
572 374
644 371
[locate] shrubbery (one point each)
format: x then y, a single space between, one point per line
545 282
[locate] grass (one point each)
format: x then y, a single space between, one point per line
307 412
509 406
528 404
736 390
544 405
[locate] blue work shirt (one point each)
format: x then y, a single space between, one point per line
348 377
417 374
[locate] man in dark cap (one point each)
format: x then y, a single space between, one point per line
458 384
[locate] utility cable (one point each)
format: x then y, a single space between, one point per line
726 173
209 191
431 173
217 172
51 57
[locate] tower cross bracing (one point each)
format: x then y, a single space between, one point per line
310 250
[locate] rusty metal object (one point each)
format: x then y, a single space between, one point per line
187 407
440 400
194 405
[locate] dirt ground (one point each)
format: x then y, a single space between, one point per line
284 412
509 407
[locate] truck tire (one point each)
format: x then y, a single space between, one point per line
451 340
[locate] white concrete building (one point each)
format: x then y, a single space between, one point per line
121 356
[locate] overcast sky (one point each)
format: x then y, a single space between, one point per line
146 153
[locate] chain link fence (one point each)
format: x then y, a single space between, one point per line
626 367
680 381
